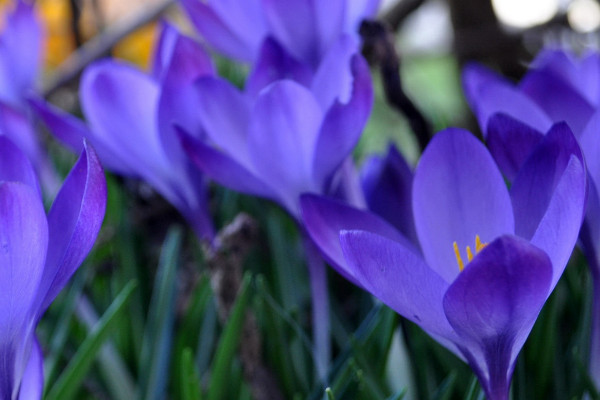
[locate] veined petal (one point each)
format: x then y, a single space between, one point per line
343 124
400 278
458 194
275 63
73 221
324 218
590 144
560 101
23 241
511 142
224 113
32 383
282 136
15 166
387 184
493 304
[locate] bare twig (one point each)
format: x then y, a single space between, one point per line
378 46
101 45
225 266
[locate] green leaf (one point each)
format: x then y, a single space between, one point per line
228 343
69 381
158 335
329 394
189 380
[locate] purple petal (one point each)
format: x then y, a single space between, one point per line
225 115
398 277
489 94
24 241
458 194
15 166
120 103
274 63
20 53
590 144
223 169
163 51
324 218
560 101
558 229
536 182
32 383
235 28
493 304
73 222
343 124
510 141
282 138
177 102
387 184
306 27
333 79
68 129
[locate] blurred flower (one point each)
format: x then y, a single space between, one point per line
130 115
283 137
39 254
488 257
306 29
558 87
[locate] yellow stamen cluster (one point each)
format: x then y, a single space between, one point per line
478 247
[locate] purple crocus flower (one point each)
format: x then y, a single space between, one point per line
129 121
289 138
559 86
489 256
306 29
39 254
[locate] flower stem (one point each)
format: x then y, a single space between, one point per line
320 308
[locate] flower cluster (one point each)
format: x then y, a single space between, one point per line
468 246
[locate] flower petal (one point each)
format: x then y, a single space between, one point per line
324 218
282 137
356 11
225 115
560 101
20 53
274 63
489 94
510 141
343 124
387 184
68 129
458 194
234 28
73 222
177 102
120 103
493 304
32 383
23 241
223 169
15 166
400 278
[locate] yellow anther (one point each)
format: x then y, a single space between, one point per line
470 254
478 245
459 260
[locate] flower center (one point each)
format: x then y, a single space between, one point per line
478 246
